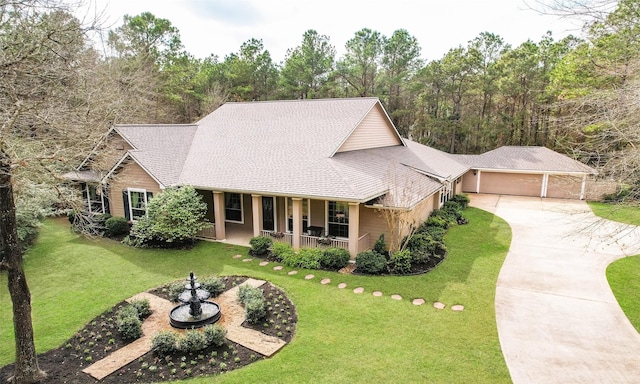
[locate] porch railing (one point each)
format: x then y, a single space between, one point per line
307 241
208 233
363 242
284 238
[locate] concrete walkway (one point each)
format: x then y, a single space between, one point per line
558 320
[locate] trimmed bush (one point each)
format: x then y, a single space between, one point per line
255 310
214 285
400 262
461 199
192 341
175 289
371 262
281 250
164 342
423 247
260 245
380 246
247 293
116 226
214 334
129 323
308 258
334 258
142 306
436 233
437 221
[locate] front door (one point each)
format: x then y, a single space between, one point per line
268 213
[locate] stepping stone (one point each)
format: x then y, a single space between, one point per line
278 268
358 290
309 277
237 256
396 297
457 308
291 273
246 260
263 263
377 294
342 285
418 301
325 281
439 305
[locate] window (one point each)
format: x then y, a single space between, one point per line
93 198
135 203
305 214
233 207
338 219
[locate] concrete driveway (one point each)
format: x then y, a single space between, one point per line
558 320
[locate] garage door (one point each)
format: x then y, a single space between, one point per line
520 184
564 186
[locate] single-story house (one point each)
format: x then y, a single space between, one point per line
299 170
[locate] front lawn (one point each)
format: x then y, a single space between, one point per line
622 213
341 336
624 278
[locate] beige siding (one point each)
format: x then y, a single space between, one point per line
469 182
130 176
564 186
247 214
373 132
597 189
110 152
520 184
458 189
207 197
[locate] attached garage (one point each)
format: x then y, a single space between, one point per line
526 171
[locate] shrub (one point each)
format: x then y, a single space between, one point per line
423 247
247 293
308 258
192 341
370 262
129 323
448 216
175 289
380 246
164 342
461 199
142 306
214 285
214 334
400 262
334 258
116 226
255 310
174 217
281 250
437 221
260 245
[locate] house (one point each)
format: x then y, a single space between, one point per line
296 170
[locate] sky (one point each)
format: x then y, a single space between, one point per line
220 27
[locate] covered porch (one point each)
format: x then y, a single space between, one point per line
300 222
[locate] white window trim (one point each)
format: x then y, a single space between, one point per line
326 217
275 213
241 209
286 213
146 202
98 193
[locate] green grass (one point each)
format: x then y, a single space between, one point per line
624 278
341 337
628 214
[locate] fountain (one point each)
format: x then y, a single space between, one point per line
195 311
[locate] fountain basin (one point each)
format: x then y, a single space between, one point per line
179 317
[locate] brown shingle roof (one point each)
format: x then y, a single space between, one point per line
526 158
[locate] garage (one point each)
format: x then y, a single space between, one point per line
526 171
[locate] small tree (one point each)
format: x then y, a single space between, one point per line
173 217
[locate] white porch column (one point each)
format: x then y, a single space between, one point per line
545 185
478 181
297 221
256 208
354 228
583 187
218 215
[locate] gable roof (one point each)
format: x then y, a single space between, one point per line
526 158
160 149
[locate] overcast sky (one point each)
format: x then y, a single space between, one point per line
220 26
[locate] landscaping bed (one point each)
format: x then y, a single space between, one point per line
100 337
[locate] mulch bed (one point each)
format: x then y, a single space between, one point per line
100 337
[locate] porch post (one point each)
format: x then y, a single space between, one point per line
256 207
478 181
297 221
354 228
218 215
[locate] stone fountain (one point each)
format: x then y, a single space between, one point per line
195 311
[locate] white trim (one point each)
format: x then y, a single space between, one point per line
530 171
326 217
583 187
241 209
146 202
545 185
275 212
478 173
122 160
286 212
